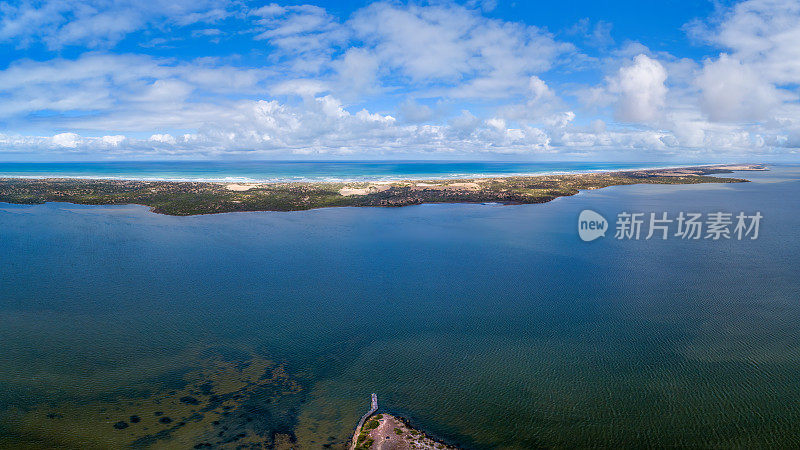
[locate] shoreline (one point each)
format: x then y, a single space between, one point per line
378 179
385 431
194 198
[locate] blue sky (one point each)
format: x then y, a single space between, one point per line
490 79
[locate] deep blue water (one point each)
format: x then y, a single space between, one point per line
298 170
485 325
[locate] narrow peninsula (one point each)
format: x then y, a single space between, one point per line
387 432
180 198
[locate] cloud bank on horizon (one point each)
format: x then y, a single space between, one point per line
165 79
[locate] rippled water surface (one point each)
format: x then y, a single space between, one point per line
485 325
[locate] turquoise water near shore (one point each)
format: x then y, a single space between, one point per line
487 326
251 171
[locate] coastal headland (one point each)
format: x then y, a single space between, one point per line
387 432
181 198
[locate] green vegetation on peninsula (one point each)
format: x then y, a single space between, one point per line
387 432
191 198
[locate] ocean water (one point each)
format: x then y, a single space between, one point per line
261 171
486 326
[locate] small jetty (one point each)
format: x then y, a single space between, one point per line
372 409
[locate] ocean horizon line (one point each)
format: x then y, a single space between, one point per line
89 171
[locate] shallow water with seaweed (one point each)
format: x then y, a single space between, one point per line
486 326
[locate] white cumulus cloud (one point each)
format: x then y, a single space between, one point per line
640 89
69 140
732 91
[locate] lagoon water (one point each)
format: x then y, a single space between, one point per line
486 326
